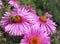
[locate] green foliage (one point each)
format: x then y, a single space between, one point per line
41 6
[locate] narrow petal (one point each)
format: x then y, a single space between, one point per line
52 28
7 14
8 27
27 27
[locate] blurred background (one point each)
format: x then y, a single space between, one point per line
41 6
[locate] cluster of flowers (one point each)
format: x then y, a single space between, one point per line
22 20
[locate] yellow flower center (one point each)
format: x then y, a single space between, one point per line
34 40
43 19
15 19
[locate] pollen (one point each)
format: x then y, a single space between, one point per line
43 19
34 40
15 19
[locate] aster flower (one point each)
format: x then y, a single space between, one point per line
14 3
17 22
1 4
46 24
35 37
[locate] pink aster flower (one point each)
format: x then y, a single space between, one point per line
45 24
35 37
14 3
17 22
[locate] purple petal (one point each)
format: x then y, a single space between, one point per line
7 14
52 28
8 27
47 15
27 27
13 3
